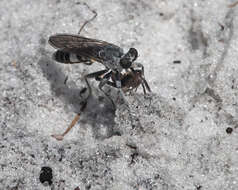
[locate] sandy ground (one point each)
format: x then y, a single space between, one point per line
184 135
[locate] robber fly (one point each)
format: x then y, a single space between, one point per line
72 49
121 71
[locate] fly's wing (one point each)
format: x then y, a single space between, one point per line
92 49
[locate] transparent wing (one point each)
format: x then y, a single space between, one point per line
97 50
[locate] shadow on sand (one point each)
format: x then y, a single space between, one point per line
99 114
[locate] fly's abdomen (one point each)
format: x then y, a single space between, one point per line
69 58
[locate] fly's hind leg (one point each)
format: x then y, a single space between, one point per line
60 137
117 84
92 75
103 77
105 80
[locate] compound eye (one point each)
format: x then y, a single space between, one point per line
128 58
125 63
133 54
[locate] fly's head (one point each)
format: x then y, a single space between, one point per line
129 58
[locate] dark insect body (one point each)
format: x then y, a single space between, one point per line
121 71
73 49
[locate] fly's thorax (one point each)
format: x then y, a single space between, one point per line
128 58
110 53
113 64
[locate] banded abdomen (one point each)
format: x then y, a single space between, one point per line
70 58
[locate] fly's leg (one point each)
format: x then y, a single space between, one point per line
116 84
93 75
104 81
233 4
146 86
120 91
60 137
